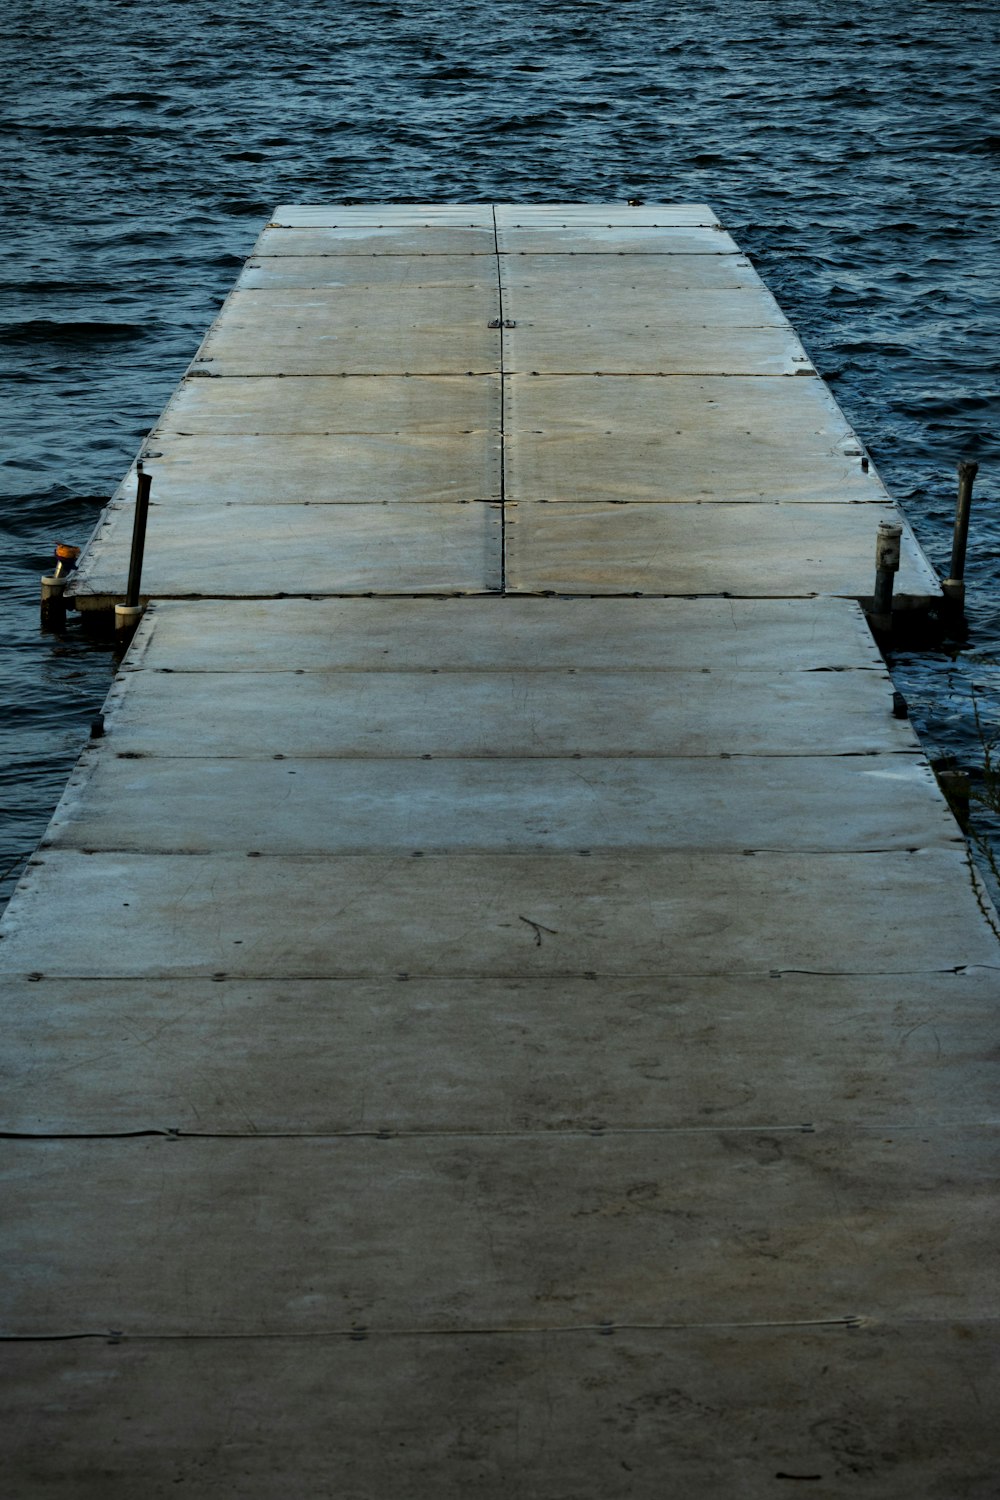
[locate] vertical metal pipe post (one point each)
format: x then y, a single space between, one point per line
143 482
886 567
128 615
953 586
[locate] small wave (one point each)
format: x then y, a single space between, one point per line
36 331
949 404
514 123
137 96
121 131
33 514
43 287
854 95
454 73
240 206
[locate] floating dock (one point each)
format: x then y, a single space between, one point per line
504 1009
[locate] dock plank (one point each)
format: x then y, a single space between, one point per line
404 271
589 216
327 549
333 404
332 1056
707 1412
511 634
607 344
586 306
554 238
125 915
716 547
321 468
590 271
229 1237
384 215
201 805
569 712
369 240
368 330
645 438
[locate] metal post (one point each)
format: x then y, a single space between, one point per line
128 615
886 567
143 482
953 586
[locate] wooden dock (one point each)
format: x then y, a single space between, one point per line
504 1010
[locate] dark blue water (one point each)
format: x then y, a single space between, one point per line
850 148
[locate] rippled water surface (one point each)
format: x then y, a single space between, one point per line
850 149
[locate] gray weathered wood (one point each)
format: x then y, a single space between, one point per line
687 438
687 548
387 215
415 330
573 712
896 1407
327 272
321 468
328 1056
603 346
589 216
494 915
555 237
591 270
367 240
240 551
315 404
195 804
235 1237
514 634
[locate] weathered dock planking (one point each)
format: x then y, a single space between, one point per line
526 1030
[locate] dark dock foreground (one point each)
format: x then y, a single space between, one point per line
504 1010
